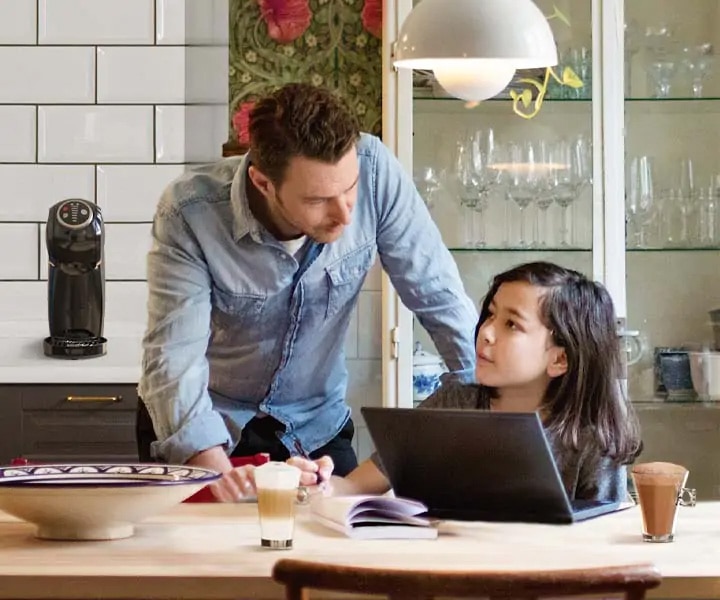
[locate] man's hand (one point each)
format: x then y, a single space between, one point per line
235 484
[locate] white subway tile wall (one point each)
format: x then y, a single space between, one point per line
90 134
80 81
130 192
17 123
41 74
18 21
92 100
30 190
141 75
109 100
192 22
89 22
23 239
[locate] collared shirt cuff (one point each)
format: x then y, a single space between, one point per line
204 431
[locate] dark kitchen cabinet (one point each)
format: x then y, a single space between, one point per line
68 422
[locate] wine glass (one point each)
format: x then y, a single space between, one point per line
428 182
640 199
476 179
697 62
573 163
524 180
467 183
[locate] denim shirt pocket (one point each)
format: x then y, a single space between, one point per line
345 277
237 310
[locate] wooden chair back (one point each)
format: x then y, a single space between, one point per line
630 581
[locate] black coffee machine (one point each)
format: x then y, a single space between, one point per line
76 280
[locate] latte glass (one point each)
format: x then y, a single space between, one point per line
277 491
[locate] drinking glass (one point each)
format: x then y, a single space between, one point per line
640 200
572 173
475 154
428 182
524 174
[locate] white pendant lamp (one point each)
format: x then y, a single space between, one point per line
475 46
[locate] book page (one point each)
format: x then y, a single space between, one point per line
352 510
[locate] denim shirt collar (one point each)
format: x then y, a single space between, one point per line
244 222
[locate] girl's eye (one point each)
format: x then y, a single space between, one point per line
511 324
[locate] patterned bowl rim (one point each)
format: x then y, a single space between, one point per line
90 475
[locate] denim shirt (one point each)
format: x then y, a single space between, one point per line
236 329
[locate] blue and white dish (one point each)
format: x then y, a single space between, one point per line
91 475
95 501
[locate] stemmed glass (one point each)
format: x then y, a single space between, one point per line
698 61
640 199
524 173
428 183
474 155
468 185
546 165
662 65
572 160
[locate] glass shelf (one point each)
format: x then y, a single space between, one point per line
422 96
672 99
516 249
660 403
576 249
662 249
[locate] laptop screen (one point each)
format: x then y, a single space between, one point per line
478 465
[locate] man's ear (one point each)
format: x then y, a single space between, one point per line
558 363
260 181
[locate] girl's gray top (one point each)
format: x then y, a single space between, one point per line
585 474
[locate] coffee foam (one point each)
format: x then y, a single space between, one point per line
277 475
660 473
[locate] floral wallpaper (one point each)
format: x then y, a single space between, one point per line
334 43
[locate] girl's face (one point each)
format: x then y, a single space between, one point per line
514 348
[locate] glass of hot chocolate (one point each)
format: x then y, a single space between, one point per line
660 488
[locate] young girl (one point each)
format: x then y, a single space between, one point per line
546 341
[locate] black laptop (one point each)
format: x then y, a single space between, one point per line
475 465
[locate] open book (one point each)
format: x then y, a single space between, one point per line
373 517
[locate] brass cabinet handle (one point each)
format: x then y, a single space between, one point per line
93 398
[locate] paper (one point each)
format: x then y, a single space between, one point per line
373 517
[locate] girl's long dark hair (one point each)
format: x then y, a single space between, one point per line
586 404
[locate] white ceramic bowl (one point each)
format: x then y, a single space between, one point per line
95 501
705 372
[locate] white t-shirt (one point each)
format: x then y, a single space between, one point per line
295 246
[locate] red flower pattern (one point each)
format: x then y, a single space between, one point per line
372 17
286 20
241 122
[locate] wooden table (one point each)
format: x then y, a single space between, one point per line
211 552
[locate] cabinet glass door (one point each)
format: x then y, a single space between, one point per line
672 183
505 189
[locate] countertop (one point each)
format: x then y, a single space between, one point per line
22 359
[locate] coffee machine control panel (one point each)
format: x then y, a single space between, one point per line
74 214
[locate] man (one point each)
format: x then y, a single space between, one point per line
256 265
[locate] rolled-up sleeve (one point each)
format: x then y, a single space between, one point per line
174 382
421 267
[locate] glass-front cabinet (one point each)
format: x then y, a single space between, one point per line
618 178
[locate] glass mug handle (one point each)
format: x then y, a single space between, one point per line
687 497
632 344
